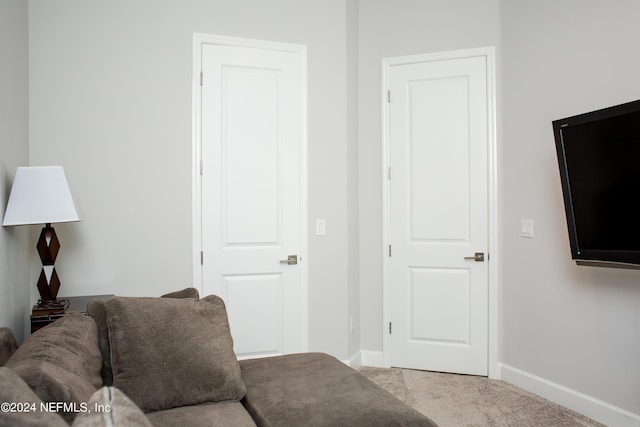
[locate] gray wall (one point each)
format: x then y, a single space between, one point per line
15 245
575 326
110 95
111 101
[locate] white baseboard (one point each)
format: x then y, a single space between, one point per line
372 358
355 361
591 407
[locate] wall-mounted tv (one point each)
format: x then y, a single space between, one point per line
599 158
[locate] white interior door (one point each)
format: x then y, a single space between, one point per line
438 124
253 193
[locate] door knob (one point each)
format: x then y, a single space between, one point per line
478 257
291 260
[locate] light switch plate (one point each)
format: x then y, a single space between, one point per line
526 228
321 227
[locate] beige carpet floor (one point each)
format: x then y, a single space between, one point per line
464 400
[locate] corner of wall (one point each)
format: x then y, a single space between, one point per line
14 151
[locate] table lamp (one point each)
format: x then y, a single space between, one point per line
41 195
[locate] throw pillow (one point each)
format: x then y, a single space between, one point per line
24 404
110 407
167 352
96 309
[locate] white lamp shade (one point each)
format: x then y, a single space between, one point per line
40 195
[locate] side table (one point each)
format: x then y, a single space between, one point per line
42 317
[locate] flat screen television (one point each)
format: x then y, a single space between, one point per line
599 158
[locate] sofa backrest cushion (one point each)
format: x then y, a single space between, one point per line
109 407
61 362
183 293
71 343
8 345
24 405
167 352
95 309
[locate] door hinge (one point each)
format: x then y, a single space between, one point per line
389 251
201 166
389 173
201 78
389 328
201 257
389 96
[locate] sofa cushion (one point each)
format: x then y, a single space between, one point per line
315 389
110 407
96 309
15 391
220 414
8 345
61 362
167 352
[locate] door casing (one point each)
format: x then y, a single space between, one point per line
199 40
387 64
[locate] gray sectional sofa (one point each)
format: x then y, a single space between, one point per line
170 362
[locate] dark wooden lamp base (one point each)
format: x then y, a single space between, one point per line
48 282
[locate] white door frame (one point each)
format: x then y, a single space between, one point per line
492 186
199 40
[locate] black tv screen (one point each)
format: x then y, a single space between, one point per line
599 158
